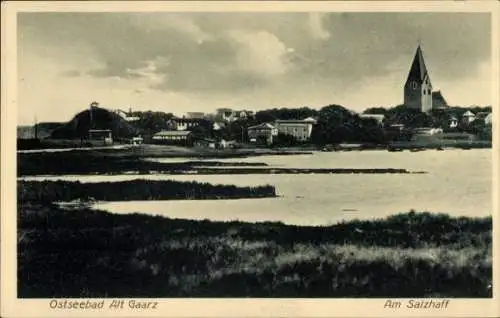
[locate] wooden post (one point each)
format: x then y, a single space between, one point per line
36 128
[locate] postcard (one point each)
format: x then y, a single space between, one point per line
250 159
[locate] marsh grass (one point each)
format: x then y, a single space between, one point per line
88 253
139 189
98 161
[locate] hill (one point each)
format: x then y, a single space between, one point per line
97 118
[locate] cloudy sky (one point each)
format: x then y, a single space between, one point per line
198 62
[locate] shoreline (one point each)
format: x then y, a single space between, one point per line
169 151
75 163
226 171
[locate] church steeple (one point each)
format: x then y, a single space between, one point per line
418 71
418 87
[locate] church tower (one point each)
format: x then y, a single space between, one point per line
418 87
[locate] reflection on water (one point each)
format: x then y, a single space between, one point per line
458 182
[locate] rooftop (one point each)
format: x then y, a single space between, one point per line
307 120
378 117
172 133
262 126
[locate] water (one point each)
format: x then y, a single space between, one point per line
458 182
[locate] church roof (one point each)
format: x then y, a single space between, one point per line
438 100
418 71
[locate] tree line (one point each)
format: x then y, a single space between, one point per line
335 123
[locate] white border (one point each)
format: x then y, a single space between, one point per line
12 307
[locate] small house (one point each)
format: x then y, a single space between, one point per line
205 143
452 121
128 116
173 137
264 132
488 119
186 123
101 135
379 118
218 125
230 115
224 114
468 117
138 140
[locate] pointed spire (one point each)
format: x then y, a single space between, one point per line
418 70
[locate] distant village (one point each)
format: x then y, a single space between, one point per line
424 116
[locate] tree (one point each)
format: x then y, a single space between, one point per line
152 121
236 130
408 117
335 124
201 132
369 130
284 140
271 115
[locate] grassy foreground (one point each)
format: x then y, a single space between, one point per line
88 253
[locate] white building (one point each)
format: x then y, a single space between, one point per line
488 119
379 118
452 122
126 115
301 129
468 117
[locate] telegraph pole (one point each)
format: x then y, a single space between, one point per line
36 128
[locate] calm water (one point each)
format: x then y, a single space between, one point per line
458 182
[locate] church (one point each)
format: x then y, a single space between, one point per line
418 92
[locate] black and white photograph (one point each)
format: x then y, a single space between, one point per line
272 155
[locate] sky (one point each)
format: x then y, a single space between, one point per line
181 62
